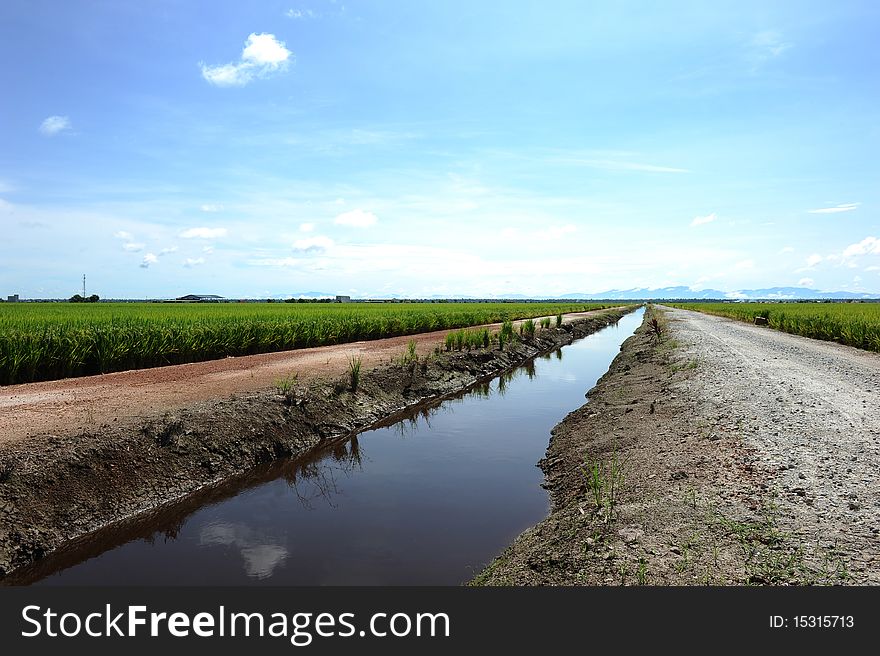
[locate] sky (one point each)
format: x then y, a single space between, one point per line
390 147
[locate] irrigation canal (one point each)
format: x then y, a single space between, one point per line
427 500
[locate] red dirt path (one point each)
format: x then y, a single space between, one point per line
76 405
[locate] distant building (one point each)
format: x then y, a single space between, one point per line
12 299
343 299
201 298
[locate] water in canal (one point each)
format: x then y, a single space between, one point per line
428 500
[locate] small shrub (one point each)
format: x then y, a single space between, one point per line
354 371
410 356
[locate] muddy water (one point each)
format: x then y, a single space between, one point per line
429 499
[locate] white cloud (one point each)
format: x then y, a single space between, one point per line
786 249
149 259
122 234
769 43
316 244
844 207
54 125
868 246
806 282
813 260
306 227
132 247
702 220
207 249
277 262
203 233
617 165
357 218
297 14
872 268
552 233
765 46
263 54
166 251
190 262
211 207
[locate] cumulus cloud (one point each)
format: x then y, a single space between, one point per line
122 234
149 259
277 262
868 246
316 244
211 207
844 207
55 125
207 249
786 249
702 220
191 262
306 227
806 282
357 218
814 259
203 233
263 55
166 251
133 247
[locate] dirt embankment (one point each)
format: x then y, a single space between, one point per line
698 461
55 488
91 403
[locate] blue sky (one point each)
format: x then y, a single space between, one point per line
445 148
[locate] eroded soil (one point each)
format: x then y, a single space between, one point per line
722 454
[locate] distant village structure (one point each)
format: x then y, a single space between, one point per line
201 298
343 299
12 298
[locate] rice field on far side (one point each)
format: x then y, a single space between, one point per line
853 324
49 341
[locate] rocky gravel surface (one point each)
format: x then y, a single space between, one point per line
809 414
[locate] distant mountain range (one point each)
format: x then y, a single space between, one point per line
644 293
771 293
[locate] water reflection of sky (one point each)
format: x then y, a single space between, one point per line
260 553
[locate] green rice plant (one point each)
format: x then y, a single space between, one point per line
527 329
354 372
47 341
559 321
604 482
545 323
410 356
286 384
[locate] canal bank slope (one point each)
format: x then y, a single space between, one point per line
682 470
55 488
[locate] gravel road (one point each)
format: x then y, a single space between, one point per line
810 413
